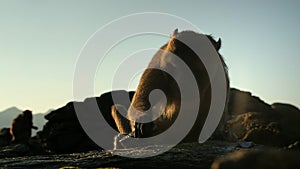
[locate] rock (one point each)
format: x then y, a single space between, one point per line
14 150
286 108
269 128
68 113
259 127
264 136
246 159
35 146
32 147
245 144
277 126
242 102
239 103
63 132
251 119
5 137
187 155
289 121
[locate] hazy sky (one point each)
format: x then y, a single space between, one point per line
40 42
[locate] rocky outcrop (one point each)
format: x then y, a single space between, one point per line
63 132
251 119
32 147
242 102
289 121
5 137
259 127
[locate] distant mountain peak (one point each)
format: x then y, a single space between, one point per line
8 115
11 109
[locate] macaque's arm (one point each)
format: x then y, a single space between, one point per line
122 123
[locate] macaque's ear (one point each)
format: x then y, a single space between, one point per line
174 33
218 44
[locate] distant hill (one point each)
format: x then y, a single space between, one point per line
9 114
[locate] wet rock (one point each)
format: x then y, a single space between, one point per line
5 137
247 159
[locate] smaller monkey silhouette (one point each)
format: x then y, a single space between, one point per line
21 127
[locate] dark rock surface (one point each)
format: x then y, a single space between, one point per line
258 159
242 102
63 132
32 147
289 121
187 155
251 119
5 137
191 155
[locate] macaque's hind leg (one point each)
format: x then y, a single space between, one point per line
122 123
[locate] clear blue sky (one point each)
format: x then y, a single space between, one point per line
40 42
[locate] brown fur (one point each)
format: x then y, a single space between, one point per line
157 79
121 122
